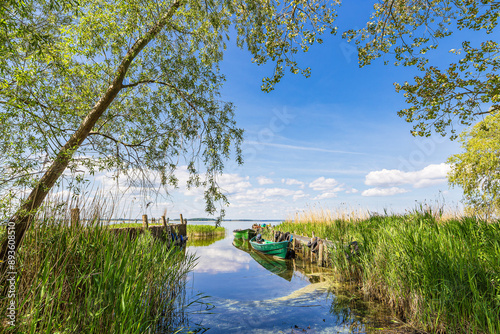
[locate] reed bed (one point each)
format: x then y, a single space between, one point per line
136 225
205 229
87 280
438 275
191 229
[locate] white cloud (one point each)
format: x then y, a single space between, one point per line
383 191
299 194
278 192
426 177
322 184
251 197
233 183
264 180
292 182
329 187
352 191
325 195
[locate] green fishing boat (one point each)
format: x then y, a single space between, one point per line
244 234
278 249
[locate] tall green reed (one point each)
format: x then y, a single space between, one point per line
89 280
440 276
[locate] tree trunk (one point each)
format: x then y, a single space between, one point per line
26 212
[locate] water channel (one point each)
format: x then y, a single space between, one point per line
246 292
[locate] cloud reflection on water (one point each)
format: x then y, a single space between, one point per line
223 260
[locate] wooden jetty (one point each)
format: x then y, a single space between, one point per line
319 255
163 231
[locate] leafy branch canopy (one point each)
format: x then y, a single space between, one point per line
134 86
438 98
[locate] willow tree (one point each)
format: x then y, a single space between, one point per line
133 86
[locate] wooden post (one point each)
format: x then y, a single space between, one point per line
153 220
145 221
163 221
182 219
326 257
320 254
310 255
75 217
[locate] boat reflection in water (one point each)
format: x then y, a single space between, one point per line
277 266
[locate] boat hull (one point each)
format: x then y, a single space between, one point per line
278 249
244 234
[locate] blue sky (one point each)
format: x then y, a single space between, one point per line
330 141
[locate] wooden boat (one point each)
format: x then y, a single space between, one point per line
278 249
244 234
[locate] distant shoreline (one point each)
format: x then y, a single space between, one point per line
204 220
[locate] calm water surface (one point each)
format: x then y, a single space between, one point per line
251 294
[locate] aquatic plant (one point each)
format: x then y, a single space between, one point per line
88 280
438 275
208 229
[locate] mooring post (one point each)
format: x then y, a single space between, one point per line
326 257
320 253
182 219
75 217
145 222
163 221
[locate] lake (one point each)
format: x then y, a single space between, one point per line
247 292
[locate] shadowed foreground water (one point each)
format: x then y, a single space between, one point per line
248 293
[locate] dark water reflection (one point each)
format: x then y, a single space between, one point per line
251 293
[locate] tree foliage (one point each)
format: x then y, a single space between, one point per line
133 86
477 168
439 98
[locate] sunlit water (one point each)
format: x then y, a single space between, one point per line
242 296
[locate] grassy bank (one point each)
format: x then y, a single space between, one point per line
87 280
439 276
205 230
192 230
